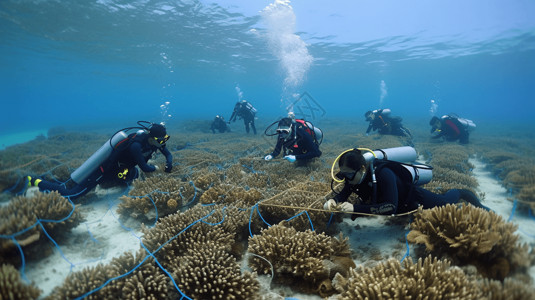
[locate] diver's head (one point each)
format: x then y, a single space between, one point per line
158 135
369 115
352 166
291 115
435 124
284 127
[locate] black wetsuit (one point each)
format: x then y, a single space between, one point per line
137 153
388 125
245 111
395 192
452 130
302 146
220 125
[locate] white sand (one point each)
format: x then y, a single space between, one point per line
97 240
101 237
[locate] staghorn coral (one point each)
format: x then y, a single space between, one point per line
178 232
305 196
146 281
208 271
508 289
230 194
29 213
12 287
470 235
167 193
427 279
206 179
298 257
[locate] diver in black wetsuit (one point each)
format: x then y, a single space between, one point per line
451 128
296 140
395 191
384 123
219 124
119 167
244 110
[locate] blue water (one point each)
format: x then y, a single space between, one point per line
69 63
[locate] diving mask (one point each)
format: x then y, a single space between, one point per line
162 140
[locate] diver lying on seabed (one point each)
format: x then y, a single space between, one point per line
115 162
387 186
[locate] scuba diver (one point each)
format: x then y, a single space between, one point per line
115 162
219 124
386 185
244 110
297 139
451 128
381 121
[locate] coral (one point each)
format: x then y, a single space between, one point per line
470 235
305 196
508 289
168 194
27 213
12 287
304 257
209 272
230 194
146 281
427 279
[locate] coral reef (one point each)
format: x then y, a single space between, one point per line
113 281
156 197
12 287
470 235
429 278
25 218
508 289
305 259
207 271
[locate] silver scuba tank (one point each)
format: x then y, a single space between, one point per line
95 160
421 174
399 154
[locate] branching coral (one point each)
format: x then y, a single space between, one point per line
12 287
470 235
31 213
111 281
166 193
304 257
427 279
208 271
306 196
508 289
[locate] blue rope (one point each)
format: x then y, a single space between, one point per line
513 211
407 253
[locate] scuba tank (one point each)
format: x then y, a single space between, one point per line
399 154
100 156
468 124
405 155
421 174
318 134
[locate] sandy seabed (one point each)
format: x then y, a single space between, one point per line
104 234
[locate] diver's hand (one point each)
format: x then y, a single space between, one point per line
346 207
168 168
290 158
330 204
268 157
156 168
